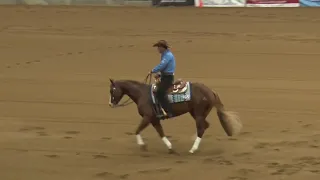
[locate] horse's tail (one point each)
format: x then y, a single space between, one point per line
229 120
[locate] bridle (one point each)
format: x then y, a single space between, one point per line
129 101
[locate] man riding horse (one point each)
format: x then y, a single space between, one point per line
198 105
166 68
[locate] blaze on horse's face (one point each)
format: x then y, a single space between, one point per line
116 94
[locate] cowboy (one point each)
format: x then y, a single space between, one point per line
166 67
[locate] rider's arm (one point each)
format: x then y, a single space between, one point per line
164 62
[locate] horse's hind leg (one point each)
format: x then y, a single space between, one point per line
202 124
206 123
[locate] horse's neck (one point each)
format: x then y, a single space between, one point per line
132 90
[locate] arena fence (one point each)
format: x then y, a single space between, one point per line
196 3
79 2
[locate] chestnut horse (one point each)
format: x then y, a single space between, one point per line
185 96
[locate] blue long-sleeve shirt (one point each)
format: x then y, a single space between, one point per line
167 64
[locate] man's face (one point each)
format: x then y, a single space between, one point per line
161 49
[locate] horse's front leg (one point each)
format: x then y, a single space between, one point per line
143 124
157 125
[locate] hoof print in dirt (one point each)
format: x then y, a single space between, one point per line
24 129
237 178
244 133
42 134
104 174
106 138
124 176
99 156
243 154
218 161
53 156
163 170
313 146
245 172
151 171
144 148
72 132
181 162
145 155
129 133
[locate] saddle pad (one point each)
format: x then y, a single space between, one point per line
176 97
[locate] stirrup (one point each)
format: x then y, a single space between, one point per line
164 112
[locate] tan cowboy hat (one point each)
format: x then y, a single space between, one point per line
161 43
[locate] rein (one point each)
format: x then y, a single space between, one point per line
129 101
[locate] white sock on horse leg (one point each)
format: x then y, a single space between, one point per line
139 139
167 142
195 145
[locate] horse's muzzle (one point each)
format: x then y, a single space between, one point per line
110 103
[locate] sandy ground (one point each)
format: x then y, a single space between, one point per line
54 68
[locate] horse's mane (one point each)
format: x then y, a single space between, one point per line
132 82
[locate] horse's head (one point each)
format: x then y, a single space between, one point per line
116 93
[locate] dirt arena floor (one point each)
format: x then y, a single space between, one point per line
55 123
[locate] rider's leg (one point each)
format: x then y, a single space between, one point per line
166 83
160 94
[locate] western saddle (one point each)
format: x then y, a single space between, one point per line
179 86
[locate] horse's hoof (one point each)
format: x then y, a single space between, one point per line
143 147
171 151
192 151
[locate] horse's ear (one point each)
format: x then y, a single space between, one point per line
111 80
